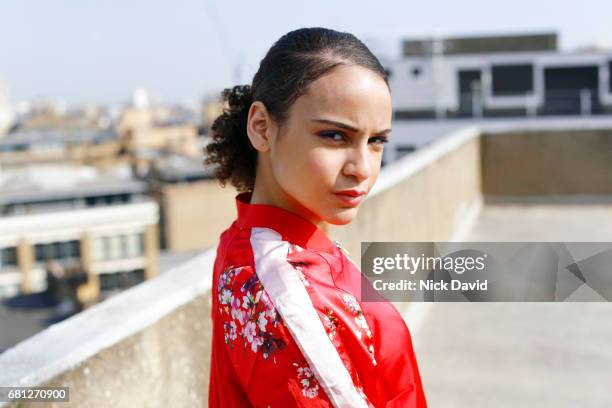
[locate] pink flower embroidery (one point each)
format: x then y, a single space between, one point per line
352 305
249 313
330 322
310 385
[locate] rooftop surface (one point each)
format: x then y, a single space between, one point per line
539 354
46 182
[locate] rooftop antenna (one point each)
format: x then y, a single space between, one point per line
226 43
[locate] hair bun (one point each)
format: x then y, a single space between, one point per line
230 150
239 97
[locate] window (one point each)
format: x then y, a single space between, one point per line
57 251
8 257
610 76
114 247
141 244
133 245
120 280
118 247
512 80
74 249
39 250
97 249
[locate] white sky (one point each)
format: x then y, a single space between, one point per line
101 50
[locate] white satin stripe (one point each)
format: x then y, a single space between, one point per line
283 285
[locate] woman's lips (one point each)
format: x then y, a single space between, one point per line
353 201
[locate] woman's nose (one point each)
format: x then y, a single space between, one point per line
358 164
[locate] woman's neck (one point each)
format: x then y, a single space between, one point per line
274 195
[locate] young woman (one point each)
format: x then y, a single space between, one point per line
303 144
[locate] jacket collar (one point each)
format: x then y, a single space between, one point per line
290 226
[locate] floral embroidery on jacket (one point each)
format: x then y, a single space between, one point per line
250 312
330 322
309 383
298 265
301 275
352 305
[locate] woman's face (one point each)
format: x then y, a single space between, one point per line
332 141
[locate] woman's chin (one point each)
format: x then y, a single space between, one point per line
342 216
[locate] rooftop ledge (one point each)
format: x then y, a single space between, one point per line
66 344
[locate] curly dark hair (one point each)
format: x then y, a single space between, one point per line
292 63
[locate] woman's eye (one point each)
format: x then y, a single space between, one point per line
380 140
333 135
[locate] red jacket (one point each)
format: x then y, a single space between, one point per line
289 329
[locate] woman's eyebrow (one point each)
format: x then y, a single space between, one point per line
345 126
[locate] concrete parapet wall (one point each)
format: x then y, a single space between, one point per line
542 163
147 346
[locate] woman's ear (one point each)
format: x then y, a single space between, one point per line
259 126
